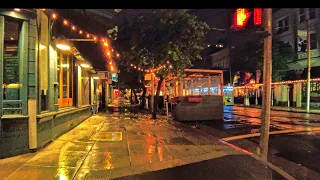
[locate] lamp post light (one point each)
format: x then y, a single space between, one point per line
65 45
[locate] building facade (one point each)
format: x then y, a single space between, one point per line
289 26
221 59
45 91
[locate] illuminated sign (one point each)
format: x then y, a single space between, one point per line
194 99
114 77
243 17
147 77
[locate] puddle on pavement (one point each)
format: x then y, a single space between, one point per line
107 136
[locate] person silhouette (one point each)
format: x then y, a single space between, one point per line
302 45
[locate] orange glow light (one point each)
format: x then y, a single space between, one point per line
94 38
88 35
80 32
108 53
54 16
65 22
105 44
73 28
118 55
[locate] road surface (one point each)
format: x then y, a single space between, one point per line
294 137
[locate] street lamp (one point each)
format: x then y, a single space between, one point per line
85 65
64 44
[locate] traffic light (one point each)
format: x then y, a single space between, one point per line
243 18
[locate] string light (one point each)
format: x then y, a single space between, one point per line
151 69
281 82
104 41
74 27
54 16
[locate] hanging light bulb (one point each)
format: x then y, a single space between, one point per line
54 16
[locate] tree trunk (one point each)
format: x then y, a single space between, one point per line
143 98
131 95
135 96
156 100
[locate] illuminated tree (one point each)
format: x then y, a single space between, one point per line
158 36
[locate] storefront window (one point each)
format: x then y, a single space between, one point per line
12 82
65 75
85 86
314 91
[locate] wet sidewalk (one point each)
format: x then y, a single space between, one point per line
106 146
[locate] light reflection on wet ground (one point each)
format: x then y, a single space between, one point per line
110 147
246 120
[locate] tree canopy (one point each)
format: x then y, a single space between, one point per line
164 35
282 53
251 58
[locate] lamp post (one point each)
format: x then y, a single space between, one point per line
308 64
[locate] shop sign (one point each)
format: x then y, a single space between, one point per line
194 99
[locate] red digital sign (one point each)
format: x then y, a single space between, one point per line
194 99
257 16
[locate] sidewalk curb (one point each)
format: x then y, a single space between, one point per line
271 133
275 109
270 165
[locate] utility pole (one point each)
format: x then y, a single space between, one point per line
229 44
266 97
308 64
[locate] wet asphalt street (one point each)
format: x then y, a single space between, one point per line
301 150
228 167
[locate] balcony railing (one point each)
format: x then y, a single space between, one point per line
303 55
